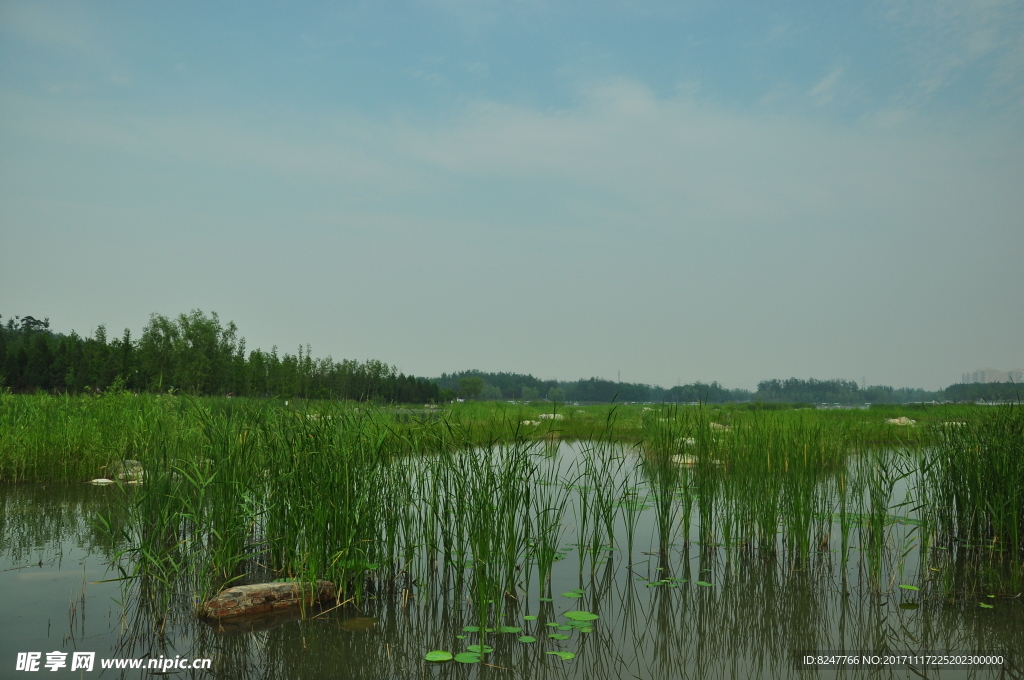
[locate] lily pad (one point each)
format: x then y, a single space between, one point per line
581 616
480 649
529 617
461 637
585 629
552 624
558 636
575 624
572 594
564 655
439 656
527 638
705 584
985 606
545 599
467 657
471 629
906 587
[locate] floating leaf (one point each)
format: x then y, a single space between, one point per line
480 649
564 655
564 627
558 636
906 587
545 599
527 638
986 606
572 594
990 596
552 624
471 629
705 584
461 637
586 629
510 629
439 656
529 617
467 657
577 590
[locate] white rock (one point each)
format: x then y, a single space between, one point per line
902 420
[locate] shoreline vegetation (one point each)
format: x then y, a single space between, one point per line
71 438
198 355
469 507
475 501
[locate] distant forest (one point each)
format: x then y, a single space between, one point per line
491 386
196 354
193 354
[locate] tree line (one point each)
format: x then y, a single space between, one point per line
192 353
508 386
795 390
195 353
514 386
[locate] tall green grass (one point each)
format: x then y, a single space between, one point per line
475 505
973 483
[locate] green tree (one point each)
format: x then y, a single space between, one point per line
490 393
471 387
40 359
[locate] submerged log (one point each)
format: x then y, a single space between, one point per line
265 597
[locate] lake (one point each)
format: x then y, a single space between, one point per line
689 599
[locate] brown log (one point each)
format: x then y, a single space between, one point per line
265 597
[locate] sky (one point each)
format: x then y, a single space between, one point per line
664 192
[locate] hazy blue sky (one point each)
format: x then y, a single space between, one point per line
678 191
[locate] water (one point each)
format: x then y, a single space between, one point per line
692 610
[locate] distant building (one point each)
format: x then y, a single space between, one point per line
993 375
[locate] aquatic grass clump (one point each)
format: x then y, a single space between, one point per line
420 511
973 482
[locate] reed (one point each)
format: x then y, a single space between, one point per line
473 504
973 483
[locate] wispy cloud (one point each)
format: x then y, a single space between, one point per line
966 43
621 151
824 91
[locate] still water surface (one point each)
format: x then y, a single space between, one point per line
691 611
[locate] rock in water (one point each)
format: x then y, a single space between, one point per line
265 597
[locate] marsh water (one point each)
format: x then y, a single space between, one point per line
696 605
